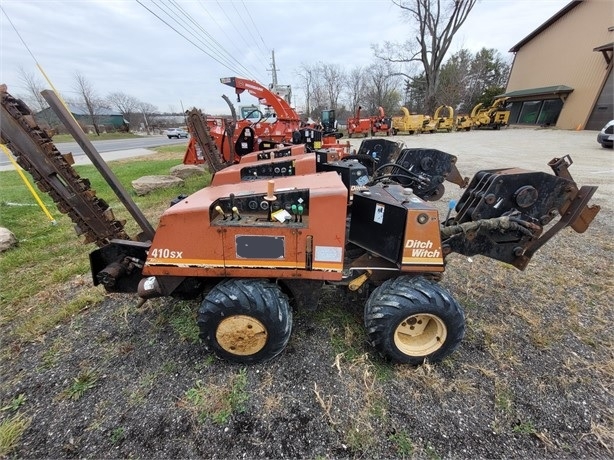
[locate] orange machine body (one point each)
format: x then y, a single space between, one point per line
357 125
292 228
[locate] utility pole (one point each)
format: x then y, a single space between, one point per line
283 91
273 70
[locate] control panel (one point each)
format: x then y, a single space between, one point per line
277 153
255 171
283 207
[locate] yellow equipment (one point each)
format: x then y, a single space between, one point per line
493 117
444 123
463 123
407 123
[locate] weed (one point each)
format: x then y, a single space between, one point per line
117 435
346 331
15 403
524 428
168 367
144 386
204 362
383 371
360 437
402 443
503 397
217 402
86 380
11 431
52 354
431 452
184 322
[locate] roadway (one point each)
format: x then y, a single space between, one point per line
109 149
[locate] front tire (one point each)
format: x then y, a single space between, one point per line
245 320
410 320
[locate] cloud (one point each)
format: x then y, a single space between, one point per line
121 46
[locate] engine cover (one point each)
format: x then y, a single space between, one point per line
393 223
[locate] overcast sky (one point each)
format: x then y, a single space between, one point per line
119 45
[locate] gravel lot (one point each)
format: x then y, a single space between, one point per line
533 378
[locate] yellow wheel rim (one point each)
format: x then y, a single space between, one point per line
420 335
241 335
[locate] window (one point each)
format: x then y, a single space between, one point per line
544 113
550 112
529 112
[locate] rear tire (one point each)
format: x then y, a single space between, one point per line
410 320
245 320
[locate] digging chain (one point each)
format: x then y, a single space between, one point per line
198 124
35 152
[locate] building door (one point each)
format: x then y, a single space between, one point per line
604 108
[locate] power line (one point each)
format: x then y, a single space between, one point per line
229 38
247 42
226 65
252 41
222 52
266 48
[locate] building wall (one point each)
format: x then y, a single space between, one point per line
563 55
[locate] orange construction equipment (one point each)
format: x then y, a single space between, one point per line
261 243
357 125
381 123
234 138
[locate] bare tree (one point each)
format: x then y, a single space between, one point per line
128 106
34 98
381 89
356 82
455 83
333 80
149 112
92 103
308 77
437 22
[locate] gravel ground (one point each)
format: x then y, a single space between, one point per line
533 377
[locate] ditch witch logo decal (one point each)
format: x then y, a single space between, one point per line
421 250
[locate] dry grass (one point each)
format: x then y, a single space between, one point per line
216 401
11 430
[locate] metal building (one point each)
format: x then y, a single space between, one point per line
562 71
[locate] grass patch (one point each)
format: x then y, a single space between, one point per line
11 431
402 443
346 331
117 435
49 256
183 322
15 403
217 402
524 428
85 381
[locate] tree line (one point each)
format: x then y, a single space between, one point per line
415 73
465 80
136 113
